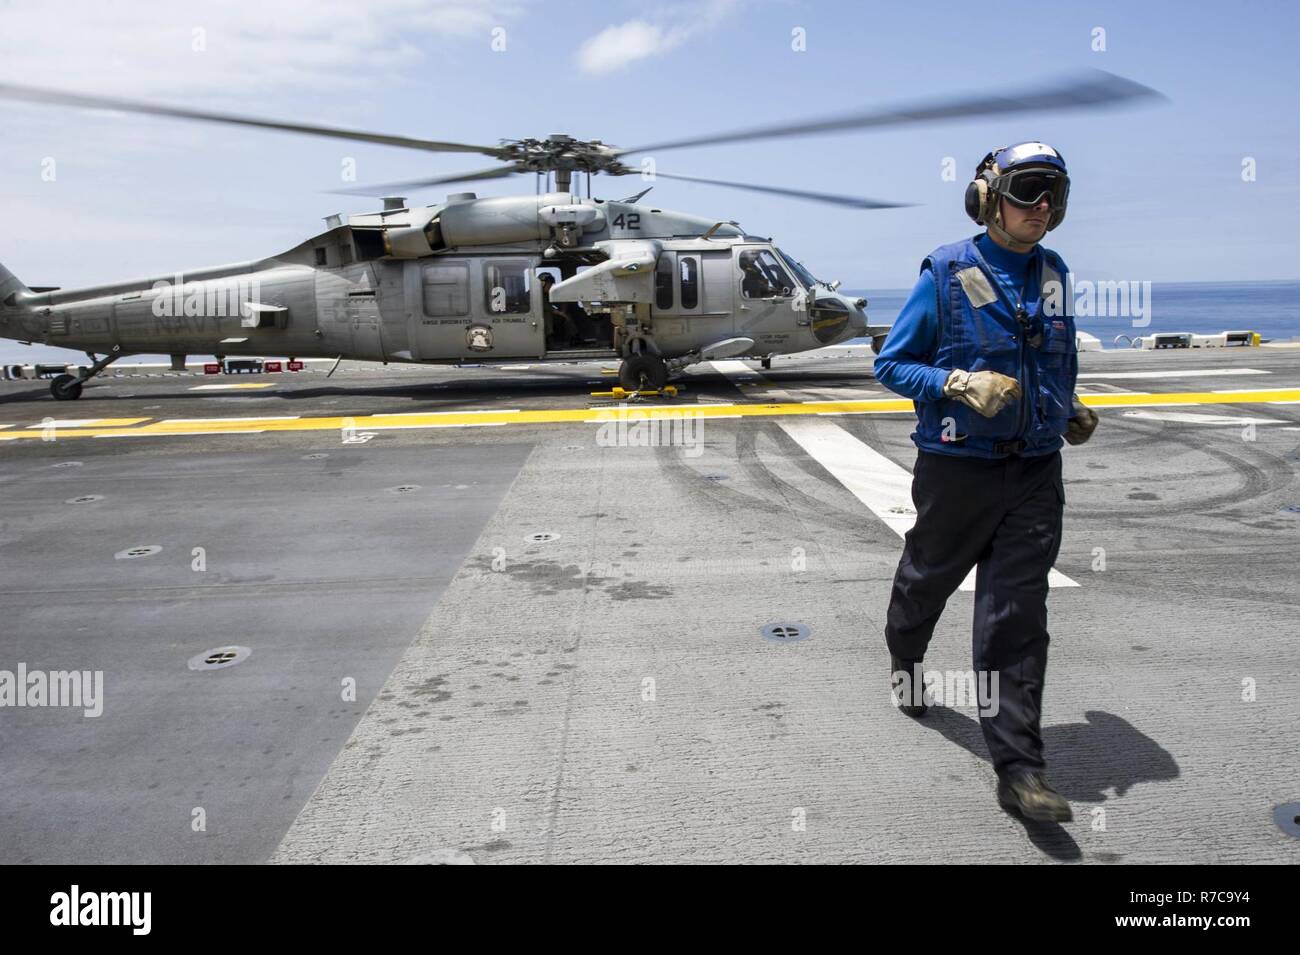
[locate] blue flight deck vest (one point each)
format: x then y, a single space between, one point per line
978 331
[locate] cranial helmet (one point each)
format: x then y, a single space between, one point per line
1022 174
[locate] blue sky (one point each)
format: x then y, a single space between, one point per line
1157 190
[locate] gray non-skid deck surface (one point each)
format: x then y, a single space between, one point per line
607 696
315 565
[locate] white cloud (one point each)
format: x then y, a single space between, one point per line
619 46
147 47
150 195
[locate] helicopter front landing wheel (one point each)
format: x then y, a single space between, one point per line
643 373
66 388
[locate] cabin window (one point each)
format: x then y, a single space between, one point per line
689 267
320 256
505 288
446 290
664 281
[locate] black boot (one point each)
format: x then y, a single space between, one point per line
1029 794
911 703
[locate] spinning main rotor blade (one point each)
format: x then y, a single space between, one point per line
852 202
1093 89
393 188
59 98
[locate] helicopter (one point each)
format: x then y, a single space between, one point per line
549 277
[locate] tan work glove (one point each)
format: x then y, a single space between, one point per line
1082 424
988 392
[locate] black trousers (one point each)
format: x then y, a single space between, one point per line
1003 515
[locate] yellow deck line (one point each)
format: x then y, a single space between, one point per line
1140 399
444 419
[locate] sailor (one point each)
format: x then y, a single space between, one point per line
560 330
985 348
753 284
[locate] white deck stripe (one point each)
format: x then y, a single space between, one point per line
430 414
1195 418
844 394
883 486
84 423
172 434
738 373
1237 391
238 386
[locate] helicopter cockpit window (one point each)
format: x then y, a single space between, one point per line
801 273
762 276
505 288
689 267
446 290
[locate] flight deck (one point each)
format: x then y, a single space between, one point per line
499 614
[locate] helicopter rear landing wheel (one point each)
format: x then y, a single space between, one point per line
643 373
66 388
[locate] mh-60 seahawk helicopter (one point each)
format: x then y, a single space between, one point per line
466 280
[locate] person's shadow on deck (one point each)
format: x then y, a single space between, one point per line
1084 760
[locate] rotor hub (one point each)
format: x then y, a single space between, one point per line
563 153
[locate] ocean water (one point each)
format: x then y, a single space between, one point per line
1270 308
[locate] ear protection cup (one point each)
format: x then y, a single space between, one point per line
975 192
980 199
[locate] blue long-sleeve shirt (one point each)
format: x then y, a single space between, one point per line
906 364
